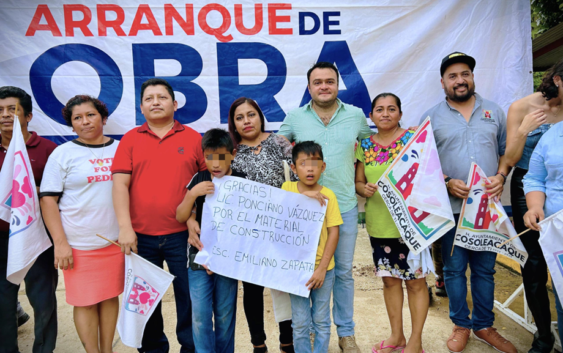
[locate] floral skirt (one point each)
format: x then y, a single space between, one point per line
390 259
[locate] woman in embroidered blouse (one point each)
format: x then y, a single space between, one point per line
260 156
390 253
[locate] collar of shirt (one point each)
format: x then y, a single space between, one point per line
176 128
309 107
33 141
478 103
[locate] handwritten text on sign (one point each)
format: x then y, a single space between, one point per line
260 234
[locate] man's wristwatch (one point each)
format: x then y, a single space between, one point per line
447 180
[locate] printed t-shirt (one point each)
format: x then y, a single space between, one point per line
199 178
159 169
38 149
81 176
332 219
376 160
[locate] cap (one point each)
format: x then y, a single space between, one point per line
456 57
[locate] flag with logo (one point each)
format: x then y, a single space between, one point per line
483 224
145 284
551 242
20 208
414 191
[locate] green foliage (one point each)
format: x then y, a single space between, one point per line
537 79
545 15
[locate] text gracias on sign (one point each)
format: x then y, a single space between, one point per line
290 230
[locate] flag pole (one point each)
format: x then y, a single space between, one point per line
511 239
111 241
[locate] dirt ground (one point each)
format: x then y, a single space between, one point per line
372 324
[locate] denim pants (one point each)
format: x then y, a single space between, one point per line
173 249
40 285
343 301
482 265
313 311
214 299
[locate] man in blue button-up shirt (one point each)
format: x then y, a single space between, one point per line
467 129
335 126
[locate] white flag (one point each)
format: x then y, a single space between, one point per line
413 189
145 284
20 207
551 242
483 224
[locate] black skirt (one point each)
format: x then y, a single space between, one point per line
390 259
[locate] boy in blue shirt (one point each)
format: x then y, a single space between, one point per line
214 297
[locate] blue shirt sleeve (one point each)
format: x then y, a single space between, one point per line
501 135
534 180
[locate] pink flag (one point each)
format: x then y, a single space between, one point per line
19 206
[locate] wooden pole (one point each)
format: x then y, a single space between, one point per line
511 239
111 241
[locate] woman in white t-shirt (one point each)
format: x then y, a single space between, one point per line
76 201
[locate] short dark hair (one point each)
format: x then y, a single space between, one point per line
16 92
387 94
322 65
232 127
310 148
80 99
157 82
547 86
217 138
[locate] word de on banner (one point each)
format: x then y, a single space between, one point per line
19 206
414 191
145 284
551 242
483 224
260 234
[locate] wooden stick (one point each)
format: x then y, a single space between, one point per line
453 245
16 112
111 241
511 239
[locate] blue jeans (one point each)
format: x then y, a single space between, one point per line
40 285
559 313
482 265
173 249
312 312
343 301
214 299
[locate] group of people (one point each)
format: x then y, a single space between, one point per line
147 192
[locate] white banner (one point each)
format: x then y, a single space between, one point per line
483 224
413 189
260 234
215 52
145 284
20 207
551 241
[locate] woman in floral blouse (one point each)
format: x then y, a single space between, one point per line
260 156
390 253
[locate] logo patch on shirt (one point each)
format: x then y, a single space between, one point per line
181 150
488 116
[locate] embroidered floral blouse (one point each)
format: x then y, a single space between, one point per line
376 158
266 166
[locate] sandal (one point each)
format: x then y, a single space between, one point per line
393 348
287 348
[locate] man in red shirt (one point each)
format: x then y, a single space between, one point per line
152 167
42 278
